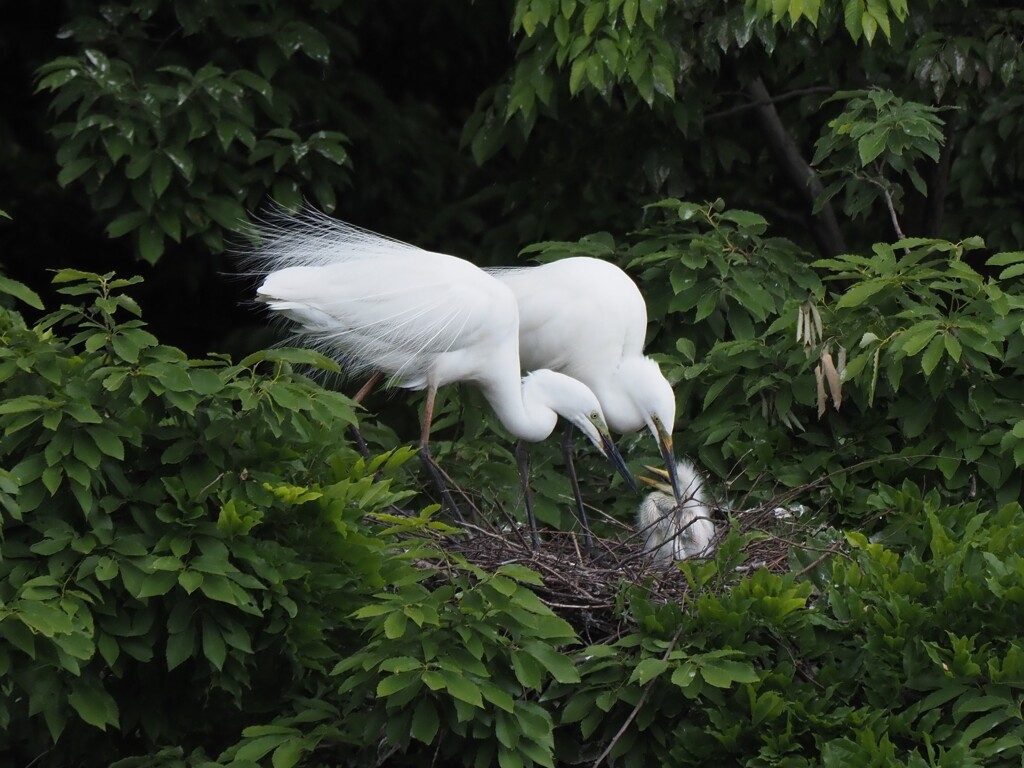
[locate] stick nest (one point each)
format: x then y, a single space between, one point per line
586 589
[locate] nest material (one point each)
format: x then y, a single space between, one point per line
586 588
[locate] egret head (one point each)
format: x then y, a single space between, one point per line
653 397
573 400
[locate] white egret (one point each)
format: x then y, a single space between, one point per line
587 319
424 319
673 530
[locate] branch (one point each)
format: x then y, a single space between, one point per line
795 94
892 215
880 182
824 224
639 705
939 180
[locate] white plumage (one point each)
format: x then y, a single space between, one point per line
587 319
676 531
425 319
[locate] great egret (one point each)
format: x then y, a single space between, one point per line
587 319
673 530
424 319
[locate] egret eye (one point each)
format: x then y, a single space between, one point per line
594 416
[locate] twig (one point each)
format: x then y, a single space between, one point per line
834 549
780 97
639 704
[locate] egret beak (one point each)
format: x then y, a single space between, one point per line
665 444
612 454
660 482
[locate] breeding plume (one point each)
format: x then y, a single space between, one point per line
672 530
587 319
423 319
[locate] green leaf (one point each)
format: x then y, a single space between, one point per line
861 292
126 223
21 292
425 721
685 675
288 754
1016 270
933 354
1004 258
593 15
648 669
871 146
629 11
214 647
226 212
722 673
180 647
109 443
392 684
462 688
394 625
528 671
558 665
853 12
94 705
74 170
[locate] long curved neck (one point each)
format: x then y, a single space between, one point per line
520 407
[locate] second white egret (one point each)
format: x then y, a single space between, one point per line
587 319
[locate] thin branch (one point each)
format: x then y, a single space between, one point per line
638 706
892 215
795 94
939 181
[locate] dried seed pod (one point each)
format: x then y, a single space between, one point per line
820 378
835 384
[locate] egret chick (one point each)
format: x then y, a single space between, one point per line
424 319
587 319
674 531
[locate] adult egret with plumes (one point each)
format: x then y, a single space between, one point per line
587 319
423 319
675 530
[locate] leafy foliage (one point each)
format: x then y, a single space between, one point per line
173 525
175 152
199 569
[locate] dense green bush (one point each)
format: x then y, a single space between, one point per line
168 570
197 570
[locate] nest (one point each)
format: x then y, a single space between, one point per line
586 587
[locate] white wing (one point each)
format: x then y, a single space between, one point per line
384 305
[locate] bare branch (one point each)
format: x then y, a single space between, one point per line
795 94
824 224
939 179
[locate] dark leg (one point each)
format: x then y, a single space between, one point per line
356 435
581 514
523 460
428 460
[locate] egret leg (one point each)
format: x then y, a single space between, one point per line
428 460
570 467
368 387
357 436
523 460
